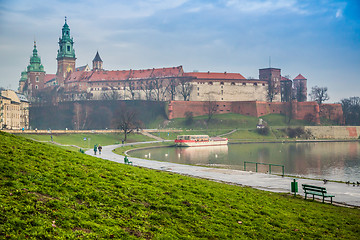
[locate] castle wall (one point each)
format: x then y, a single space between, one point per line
228 91
331 132
309 111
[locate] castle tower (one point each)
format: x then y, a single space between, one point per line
273 77
35 74
66 55
97 62
22 81
300 87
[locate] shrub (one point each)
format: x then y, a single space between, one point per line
263 131
295 132
189 118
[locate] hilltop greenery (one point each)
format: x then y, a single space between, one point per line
49 193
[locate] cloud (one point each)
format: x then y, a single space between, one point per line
339 13
264 6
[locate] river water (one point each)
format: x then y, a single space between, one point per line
323 160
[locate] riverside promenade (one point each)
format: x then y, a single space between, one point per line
344 194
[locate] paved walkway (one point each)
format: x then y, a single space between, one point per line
344 194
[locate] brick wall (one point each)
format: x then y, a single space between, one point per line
298 110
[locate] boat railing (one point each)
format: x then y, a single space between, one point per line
269 164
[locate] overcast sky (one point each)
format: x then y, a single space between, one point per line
318 38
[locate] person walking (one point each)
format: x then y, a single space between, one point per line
99 148
95 149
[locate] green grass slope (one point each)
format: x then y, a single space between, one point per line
77 139
50 193
234 121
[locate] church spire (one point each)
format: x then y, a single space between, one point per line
97 62
66 54
66 43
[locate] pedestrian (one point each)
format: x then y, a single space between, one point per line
52 138
99 148
95 149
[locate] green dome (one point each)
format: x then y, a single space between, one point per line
23 76
35 62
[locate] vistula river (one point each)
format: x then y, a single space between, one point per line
338 161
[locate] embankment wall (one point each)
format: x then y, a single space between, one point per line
334 132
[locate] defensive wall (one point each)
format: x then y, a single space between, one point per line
331 132
310 111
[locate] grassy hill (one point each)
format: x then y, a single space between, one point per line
233 121
49 193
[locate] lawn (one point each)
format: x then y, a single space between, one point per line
50 193
88 140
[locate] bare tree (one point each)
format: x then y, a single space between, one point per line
171 87
130 87
186 88
159 86
127 120
147 87
286 89
351 110
271 91
319 94
300 93
110 93
210 107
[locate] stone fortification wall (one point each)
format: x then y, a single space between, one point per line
337 132
297 110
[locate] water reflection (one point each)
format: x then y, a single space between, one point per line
206 155
336 161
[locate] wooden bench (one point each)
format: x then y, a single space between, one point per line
126 161
318 191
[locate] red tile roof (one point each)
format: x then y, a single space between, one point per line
284 79
49 77
121 75
300 77
213 75
78 76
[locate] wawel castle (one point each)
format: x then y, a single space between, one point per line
156 84
182 91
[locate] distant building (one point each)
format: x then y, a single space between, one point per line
14 110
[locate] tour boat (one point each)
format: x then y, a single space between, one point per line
199 140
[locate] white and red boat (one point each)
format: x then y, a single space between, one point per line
199 140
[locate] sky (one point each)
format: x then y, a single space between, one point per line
319 39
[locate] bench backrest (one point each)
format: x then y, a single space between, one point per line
312 188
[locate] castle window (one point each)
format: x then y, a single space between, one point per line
233 83
263 84
210 83
37 78
221 83
244 84
68 48
222 92
198 88
255 84
36 87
